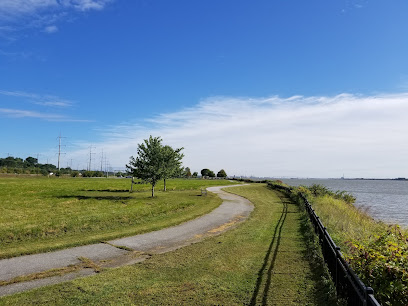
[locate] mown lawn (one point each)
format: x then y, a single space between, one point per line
41 214
269 259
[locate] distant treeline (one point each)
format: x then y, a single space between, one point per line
29 165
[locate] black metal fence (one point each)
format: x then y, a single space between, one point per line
348 284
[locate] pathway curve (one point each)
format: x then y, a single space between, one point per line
127 250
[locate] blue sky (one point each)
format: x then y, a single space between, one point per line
265 88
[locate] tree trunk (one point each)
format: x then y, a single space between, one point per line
152 191
164 184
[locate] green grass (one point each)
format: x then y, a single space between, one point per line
41 214
268 259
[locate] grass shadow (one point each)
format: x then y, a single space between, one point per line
110 198
106 190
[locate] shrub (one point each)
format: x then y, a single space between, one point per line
382 264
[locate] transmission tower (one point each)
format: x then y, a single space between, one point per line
102 161
59 149
90 157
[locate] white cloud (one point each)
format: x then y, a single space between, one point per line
298 136
85 5
51 29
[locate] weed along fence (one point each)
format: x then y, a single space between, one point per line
348 284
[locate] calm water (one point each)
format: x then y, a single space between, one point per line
384 200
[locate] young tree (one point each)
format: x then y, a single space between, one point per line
171 163
195 174
222 173
187 172
148 165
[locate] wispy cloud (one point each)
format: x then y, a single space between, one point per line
360 136
36 106
17 15
15 8
44 100
18 113
21 113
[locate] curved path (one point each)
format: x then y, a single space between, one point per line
127 250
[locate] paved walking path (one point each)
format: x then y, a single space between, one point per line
122 251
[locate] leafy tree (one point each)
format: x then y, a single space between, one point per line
195 174
30 162
171 163
120 174
211 174
148 165
205 172
222 173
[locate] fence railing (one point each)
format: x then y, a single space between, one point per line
348 284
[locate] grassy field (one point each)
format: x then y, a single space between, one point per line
40 214
270 259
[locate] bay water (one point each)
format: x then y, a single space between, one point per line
385 200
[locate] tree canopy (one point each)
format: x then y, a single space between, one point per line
222 173
207 172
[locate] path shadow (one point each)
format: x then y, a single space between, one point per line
275 237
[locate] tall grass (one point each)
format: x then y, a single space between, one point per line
345 222
377 252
